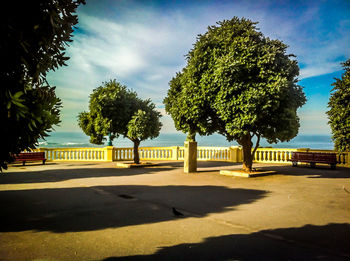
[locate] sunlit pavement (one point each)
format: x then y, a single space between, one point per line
95 211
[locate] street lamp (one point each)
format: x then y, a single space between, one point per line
110 140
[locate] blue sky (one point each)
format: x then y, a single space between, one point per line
142 44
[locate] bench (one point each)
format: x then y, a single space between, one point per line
30 156
313 158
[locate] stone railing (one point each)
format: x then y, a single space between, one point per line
275 155
229 154
75 154
214 153
149 153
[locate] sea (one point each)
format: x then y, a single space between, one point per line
79 139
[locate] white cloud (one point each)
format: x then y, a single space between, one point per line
319 69
162 111
144 48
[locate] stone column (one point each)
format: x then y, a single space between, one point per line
109 153
190 157
175 153
235 154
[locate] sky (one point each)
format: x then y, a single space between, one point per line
142 44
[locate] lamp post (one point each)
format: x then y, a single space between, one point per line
110 140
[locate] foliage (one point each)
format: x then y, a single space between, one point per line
35 34
339 113
111 107
118 111
240 84
188 108
144 124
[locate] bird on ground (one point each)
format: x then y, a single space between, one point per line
177 213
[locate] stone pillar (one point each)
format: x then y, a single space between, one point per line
235 154
190 157
109 153
175 153
347 160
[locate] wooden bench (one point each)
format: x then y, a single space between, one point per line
30 156
313 158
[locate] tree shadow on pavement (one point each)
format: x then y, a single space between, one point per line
60 174
318 172
329 242
93 208
209 166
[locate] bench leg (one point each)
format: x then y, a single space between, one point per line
44 161
295 164
333 166
312 164
23 163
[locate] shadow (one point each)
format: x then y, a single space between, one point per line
83 171
93 208
31 163
173 164
329 242
209 166
318 172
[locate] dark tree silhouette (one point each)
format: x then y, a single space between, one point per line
34 37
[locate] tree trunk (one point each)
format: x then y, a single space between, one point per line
247 145
136 151
191 136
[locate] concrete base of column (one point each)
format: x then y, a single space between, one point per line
190 157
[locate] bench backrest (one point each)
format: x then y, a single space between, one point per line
314 156
302 156
31 155
329 157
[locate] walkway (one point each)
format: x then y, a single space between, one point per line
94 211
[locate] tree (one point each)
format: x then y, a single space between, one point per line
188 108
144 124
35 34
339 113
114 111
246 84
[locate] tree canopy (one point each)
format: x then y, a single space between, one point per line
240 84
35 34
339 112
114 110
189 109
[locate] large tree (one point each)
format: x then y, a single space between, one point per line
114 111
245 82
34 36
339 113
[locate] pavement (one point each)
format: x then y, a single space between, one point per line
95 211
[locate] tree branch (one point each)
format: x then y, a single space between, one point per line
257 143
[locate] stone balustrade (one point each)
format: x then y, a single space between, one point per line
228 154
75 154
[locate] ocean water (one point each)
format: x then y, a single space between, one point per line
79 139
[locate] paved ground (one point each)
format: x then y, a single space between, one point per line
90 211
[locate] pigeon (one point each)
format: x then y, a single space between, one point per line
177 213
